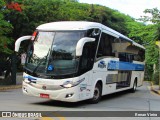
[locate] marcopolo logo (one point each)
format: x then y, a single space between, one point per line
102 64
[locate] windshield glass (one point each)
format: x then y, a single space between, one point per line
38 52
53 53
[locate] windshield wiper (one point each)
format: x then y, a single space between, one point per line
42 60
35 69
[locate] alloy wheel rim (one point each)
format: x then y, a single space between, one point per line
96 93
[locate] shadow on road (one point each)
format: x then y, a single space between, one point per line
61 104
116 95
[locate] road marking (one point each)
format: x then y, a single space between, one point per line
153 93
59 116
46 118
149 87
56 115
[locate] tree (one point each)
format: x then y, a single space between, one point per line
36 12
152 51
5 29
153 15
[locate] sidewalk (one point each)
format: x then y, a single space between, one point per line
155 88
18 83
8 87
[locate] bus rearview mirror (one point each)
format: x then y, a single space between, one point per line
19 40
81 43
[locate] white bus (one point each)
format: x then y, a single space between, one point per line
76 60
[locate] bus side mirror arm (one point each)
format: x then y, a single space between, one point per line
19 40
81 43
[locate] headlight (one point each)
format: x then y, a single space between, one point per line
69 84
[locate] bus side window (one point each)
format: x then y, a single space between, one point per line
94 33
126 57
105 46
140 56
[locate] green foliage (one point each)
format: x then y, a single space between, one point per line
154 15
157 36
36 12
5 29
152 36
155 78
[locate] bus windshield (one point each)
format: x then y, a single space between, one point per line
53 53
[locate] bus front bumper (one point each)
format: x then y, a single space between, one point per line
65 94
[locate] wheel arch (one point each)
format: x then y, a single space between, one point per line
136 80
100 82
97 84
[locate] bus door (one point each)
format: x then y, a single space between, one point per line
86 65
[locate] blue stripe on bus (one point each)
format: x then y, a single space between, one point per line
30 78
119 65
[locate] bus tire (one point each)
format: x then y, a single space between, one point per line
97 94
133 89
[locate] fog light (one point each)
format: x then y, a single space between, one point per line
69 95
25 89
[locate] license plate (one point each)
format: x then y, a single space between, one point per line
44 95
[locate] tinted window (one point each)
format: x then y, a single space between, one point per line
140 56
126 57
105 46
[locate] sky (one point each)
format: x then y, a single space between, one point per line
133 8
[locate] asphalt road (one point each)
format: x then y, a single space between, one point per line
142 100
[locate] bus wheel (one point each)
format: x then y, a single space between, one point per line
134 86
97 94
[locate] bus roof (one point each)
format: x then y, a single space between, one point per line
69 25
82 25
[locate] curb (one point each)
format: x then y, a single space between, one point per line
154 90
3 88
